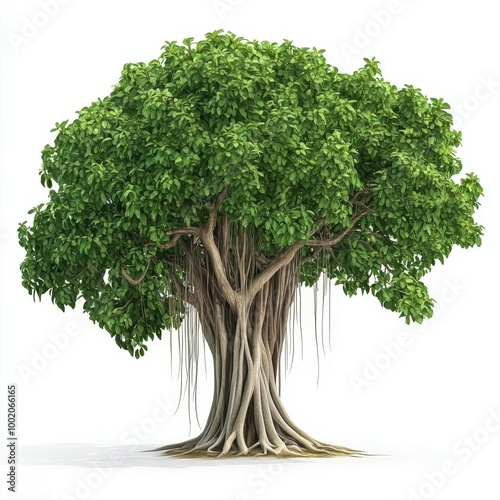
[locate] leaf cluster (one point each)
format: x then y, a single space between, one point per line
301 148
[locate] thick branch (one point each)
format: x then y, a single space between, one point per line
276 264
138 281
207 238
210 247
285 258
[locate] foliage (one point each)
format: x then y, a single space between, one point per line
302 148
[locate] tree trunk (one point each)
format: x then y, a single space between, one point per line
247 416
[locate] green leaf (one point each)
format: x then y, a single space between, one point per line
303 151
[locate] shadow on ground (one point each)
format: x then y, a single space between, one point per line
92 456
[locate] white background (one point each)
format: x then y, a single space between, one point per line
415 409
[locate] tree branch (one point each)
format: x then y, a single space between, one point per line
227 290
138 281
177 233
314 255
340 236
360 198
207 238
212 218
276 264
286 257
355 197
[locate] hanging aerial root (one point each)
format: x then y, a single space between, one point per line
243 310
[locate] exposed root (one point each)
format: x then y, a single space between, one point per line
260 449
